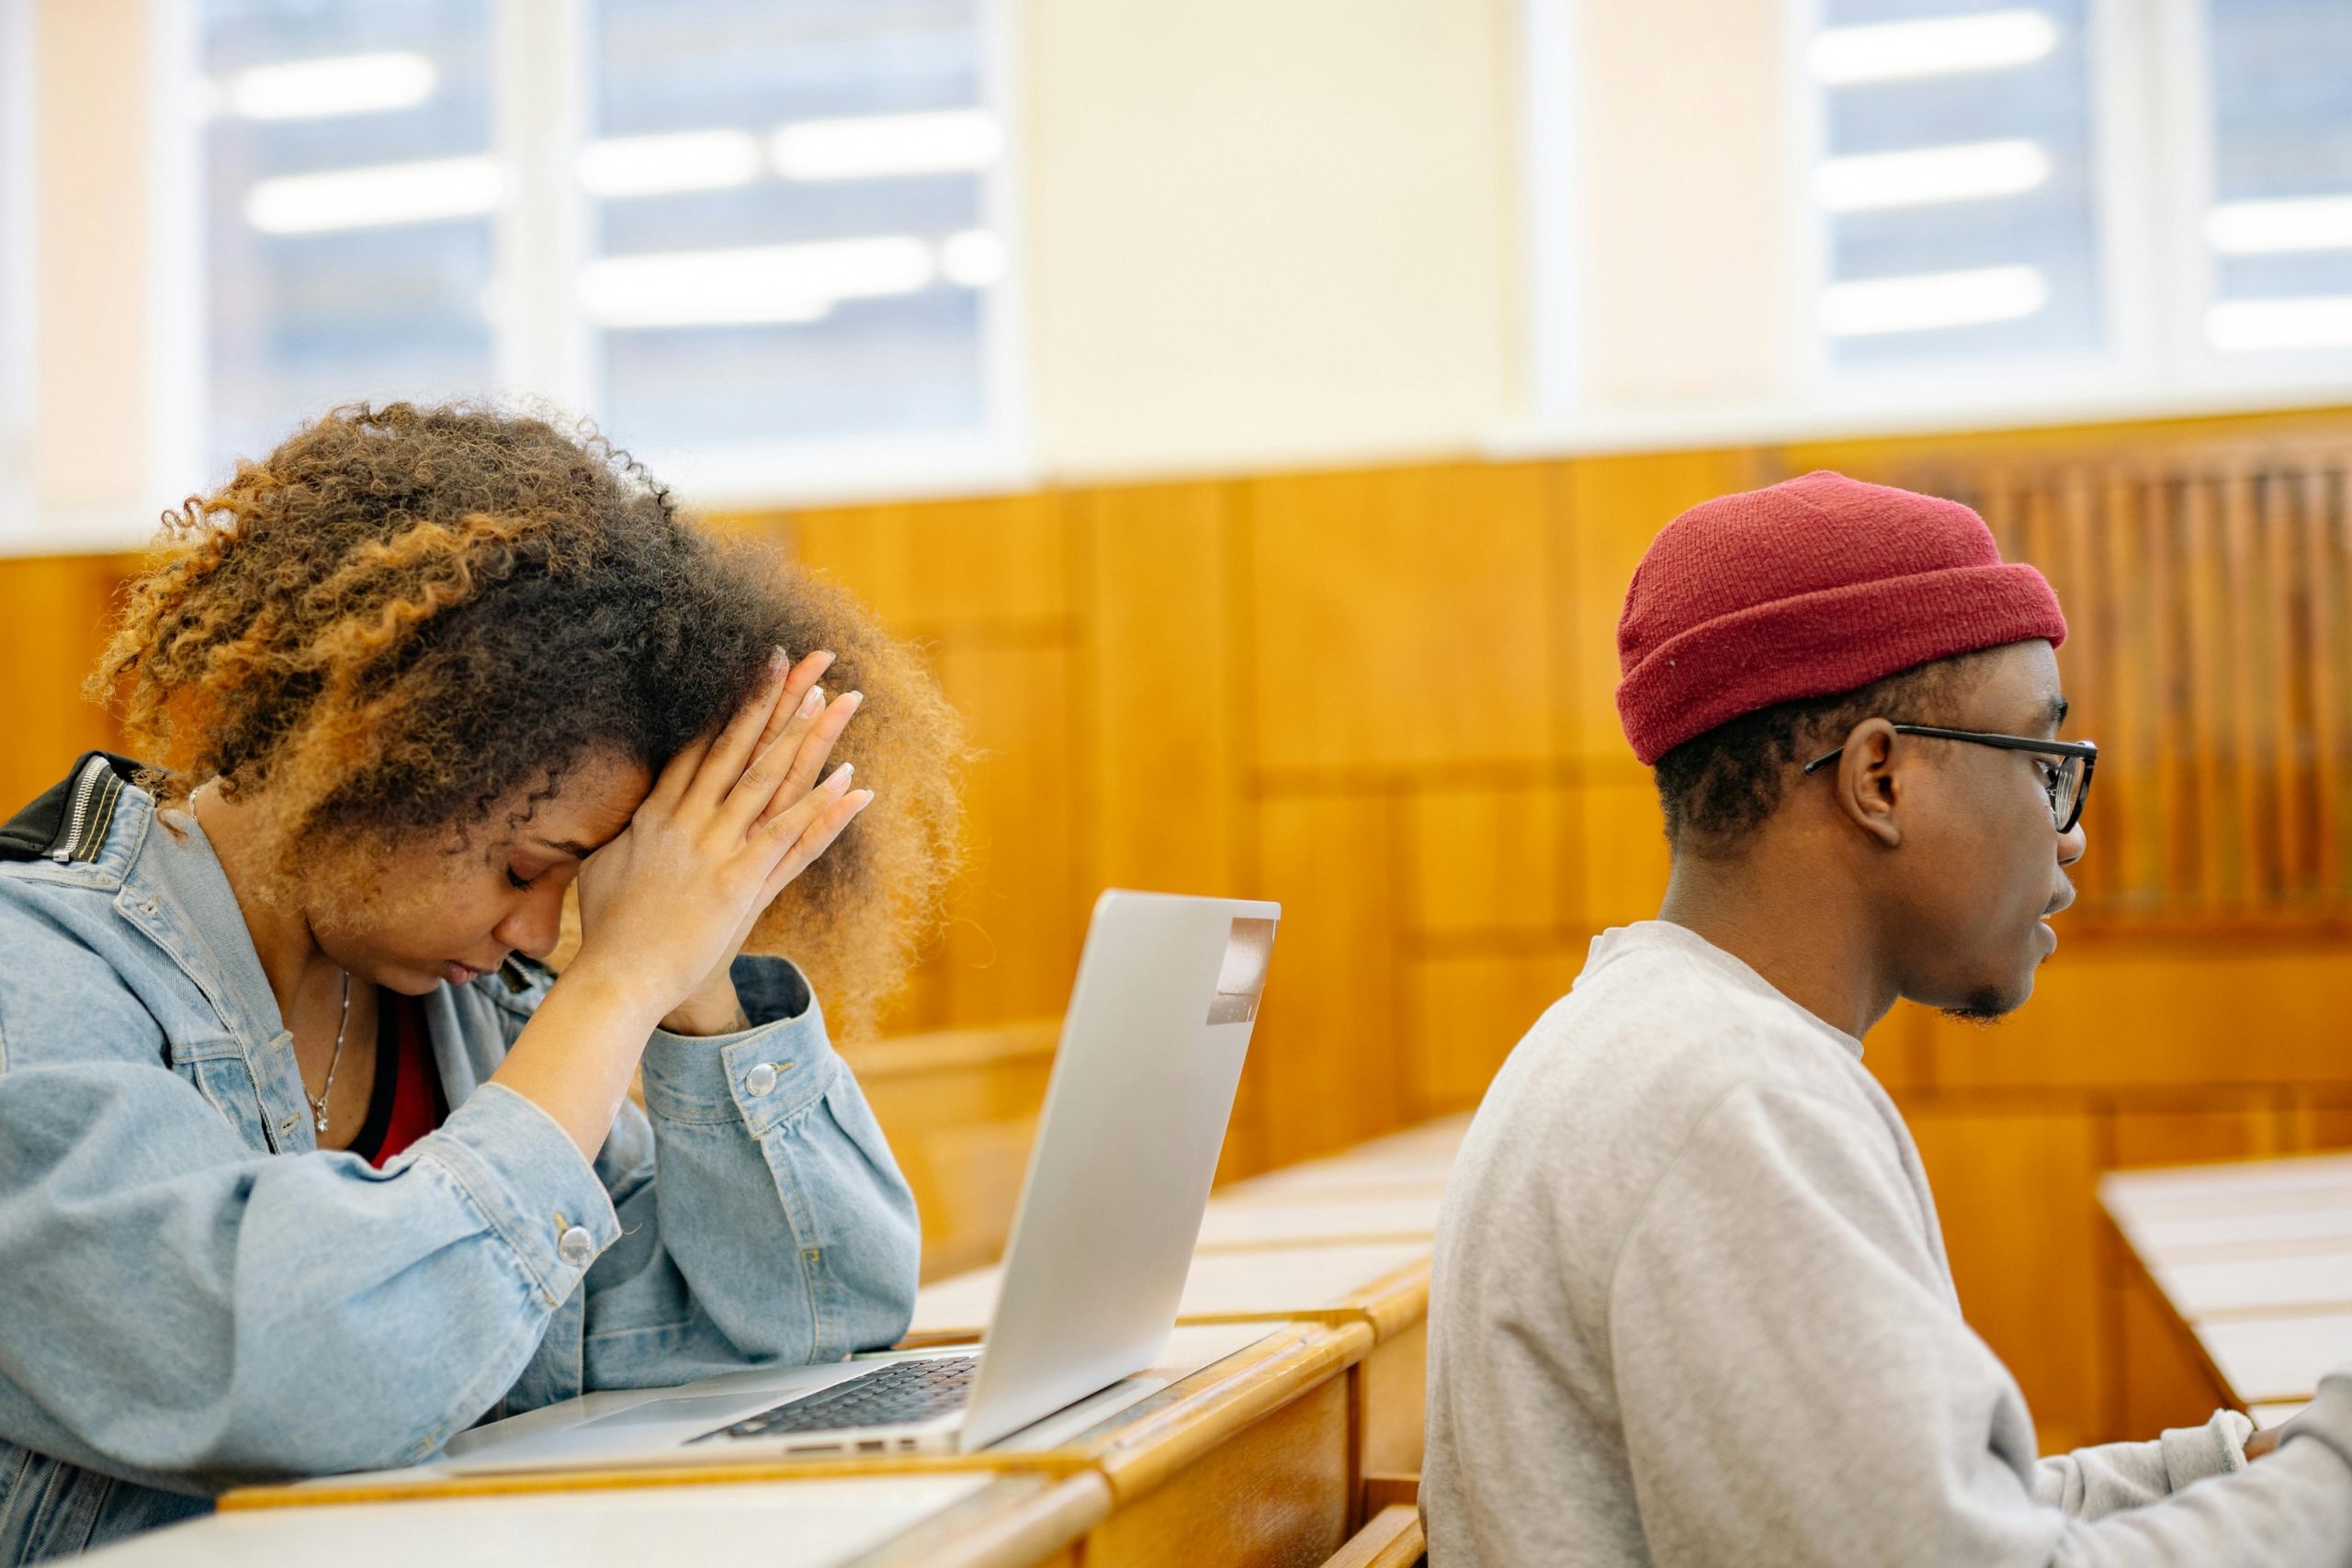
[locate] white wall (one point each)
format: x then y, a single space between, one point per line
1257 232
1680 223
90 440
1269 232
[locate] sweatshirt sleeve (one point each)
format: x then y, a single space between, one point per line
1797 1386
2094 1482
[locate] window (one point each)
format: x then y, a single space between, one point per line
349 209
792 233
760 243
1980 210
2278 231
1954 182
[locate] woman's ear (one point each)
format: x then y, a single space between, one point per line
1867 782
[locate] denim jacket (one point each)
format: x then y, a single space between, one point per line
194 1295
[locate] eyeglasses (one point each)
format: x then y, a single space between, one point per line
2069 783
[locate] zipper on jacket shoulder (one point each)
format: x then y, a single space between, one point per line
73 844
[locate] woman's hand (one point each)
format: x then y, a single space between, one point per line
665 906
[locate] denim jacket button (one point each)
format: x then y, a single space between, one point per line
760 1080
576 1246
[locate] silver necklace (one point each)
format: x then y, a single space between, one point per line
319 1100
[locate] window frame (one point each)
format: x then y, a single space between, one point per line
2150 121
543 346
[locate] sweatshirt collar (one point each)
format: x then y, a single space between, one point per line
1653 935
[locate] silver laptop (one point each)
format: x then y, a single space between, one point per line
1160 1014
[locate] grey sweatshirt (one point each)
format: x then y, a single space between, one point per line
1691 1306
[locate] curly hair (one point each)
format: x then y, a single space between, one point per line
1718 788
406 615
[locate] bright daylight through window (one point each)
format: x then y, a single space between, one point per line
1955 184
2278 232
773 231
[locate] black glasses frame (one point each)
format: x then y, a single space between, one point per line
2083 751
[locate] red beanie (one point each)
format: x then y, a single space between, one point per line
1814 586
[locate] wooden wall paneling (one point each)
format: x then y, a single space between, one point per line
1399 619
1488 858
1467 1009
2292 804
2321 1121
2172 743
2124 856
2207 596
2256 672
2227 1125
929 565
1625 859
2014 1190
1017 914
961 1110
1157 728
2172 1012
2163 1381
1898 1052
53 613
1329 1044
2327 566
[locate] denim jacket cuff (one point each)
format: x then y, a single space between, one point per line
758 1078
525 1173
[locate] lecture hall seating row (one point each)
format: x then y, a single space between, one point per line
2250 1266
1284 1426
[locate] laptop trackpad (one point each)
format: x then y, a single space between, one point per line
712 1407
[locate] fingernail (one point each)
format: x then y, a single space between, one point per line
865 798
840 780
813 700
778 659
855 698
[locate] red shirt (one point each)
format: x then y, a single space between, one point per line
406 1102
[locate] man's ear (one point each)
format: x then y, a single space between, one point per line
1865 784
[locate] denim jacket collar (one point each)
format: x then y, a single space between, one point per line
174 892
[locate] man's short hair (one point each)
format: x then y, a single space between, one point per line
1718 788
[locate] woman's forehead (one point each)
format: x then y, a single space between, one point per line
590 806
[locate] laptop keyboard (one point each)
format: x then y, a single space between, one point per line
893 1396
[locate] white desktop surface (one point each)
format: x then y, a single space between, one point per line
781 1524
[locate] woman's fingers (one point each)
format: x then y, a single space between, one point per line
809 829
796 686
744 805
781 774
725 762
815 749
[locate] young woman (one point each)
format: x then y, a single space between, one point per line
307 1161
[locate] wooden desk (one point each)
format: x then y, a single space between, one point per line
2252 1266
1296 1369
1245 1448
1384 1287
978 1521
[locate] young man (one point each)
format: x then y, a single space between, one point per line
1692 1304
